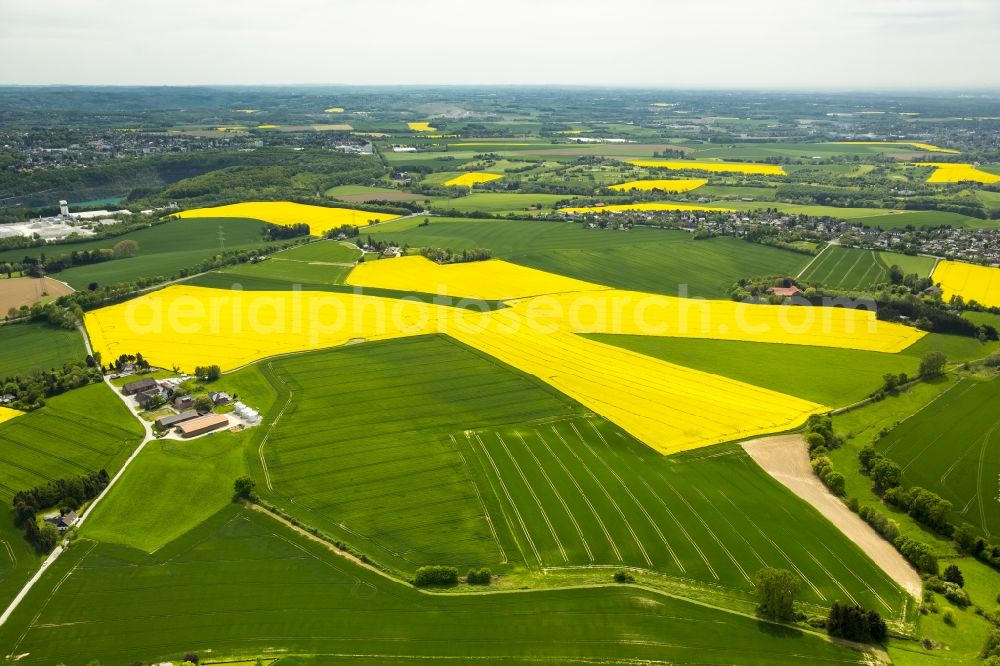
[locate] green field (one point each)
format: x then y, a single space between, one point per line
325 262
654 260
578 493
493 202
851 268
163 250
24 347
189 474
76 433
243 585
290 271
459 460
925 218
953 448
323 251
365 446
828 376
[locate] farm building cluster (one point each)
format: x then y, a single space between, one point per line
186 418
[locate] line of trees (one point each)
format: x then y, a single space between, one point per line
449 256
285 231
30 390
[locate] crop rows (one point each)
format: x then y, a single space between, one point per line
576 493
847 268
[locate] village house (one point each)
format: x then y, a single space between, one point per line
64 521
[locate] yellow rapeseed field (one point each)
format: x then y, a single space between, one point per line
721 167
636 313
970 281
669 407
946 172
665 184
646 205
190 326
421 127
334 109
267 127
915 144
471 178
319 218
6 414
491 280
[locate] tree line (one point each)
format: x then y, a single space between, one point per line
67 494
31 390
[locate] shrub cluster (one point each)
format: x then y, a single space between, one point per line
435 574
481 576
856 624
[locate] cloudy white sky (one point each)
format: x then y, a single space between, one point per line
817 44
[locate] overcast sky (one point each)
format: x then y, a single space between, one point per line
816 44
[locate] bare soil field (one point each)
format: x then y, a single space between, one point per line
786 458
16 292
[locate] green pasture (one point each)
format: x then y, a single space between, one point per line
193 479
291 271
27 346
828 376
242 585
323 251
492 202
925 218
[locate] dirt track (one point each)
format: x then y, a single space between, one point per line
16 292
786 458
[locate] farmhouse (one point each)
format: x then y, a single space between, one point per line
175 419
219 398
64 521
184 402
203 424
139 386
